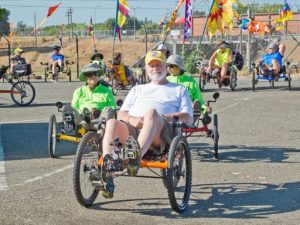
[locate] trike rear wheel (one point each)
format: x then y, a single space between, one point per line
114 86
52 136
216 136
85 167
179 174
22 93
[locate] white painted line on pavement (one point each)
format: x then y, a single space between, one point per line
3 183
232 105
44 176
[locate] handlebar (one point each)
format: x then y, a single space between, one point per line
44 64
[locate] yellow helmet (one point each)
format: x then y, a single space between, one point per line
18 50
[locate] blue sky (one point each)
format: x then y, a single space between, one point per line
23 10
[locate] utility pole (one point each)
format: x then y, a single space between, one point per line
249 12
68 15
35 29
71 12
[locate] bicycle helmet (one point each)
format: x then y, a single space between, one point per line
56 47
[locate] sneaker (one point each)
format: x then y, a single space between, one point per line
133 152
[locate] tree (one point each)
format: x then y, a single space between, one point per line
21 26
4 24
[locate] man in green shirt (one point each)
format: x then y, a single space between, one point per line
93 96
177 75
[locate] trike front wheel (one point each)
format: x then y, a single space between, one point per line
86 168
22 93
52 136
179 174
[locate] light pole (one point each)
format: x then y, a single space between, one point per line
134 25
95 12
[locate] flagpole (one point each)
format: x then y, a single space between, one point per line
115 29
201 38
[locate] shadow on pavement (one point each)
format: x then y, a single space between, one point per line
226 200
30 141
242 153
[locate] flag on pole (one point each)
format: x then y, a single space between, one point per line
221 15
188 19
90 28
163 21
285 15
174 15
121 15
51 10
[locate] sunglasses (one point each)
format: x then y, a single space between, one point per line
172 66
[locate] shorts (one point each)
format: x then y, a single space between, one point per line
168 133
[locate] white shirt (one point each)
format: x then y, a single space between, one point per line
166 99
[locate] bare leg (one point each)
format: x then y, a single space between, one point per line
276 67
114 129
211 66
224 70
54 64
151 131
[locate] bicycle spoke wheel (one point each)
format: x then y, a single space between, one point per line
23 93
86 170
52 136
179 174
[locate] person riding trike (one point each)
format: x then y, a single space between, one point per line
19 67
146 134
201 112
221 68
92 104
57 65
97 58
120 75
271 67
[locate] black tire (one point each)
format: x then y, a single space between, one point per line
52 136
70 74
253 79
179 146
272 84
93 142
25 91
46 74
215 136
202 82
114 86
233 79
289 80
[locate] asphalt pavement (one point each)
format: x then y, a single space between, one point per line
255 181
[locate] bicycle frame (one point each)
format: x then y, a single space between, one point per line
12 83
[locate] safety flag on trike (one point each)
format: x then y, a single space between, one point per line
122 13
51 10
286 14
187 19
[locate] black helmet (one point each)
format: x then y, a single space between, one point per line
56 47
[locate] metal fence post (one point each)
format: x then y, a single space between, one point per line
77 54
248 53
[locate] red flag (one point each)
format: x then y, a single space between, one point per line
52 9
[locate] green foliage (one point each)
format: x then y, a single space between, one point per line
259 8
190 61
4 24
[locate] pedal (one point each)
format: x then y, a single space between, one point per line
131 154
